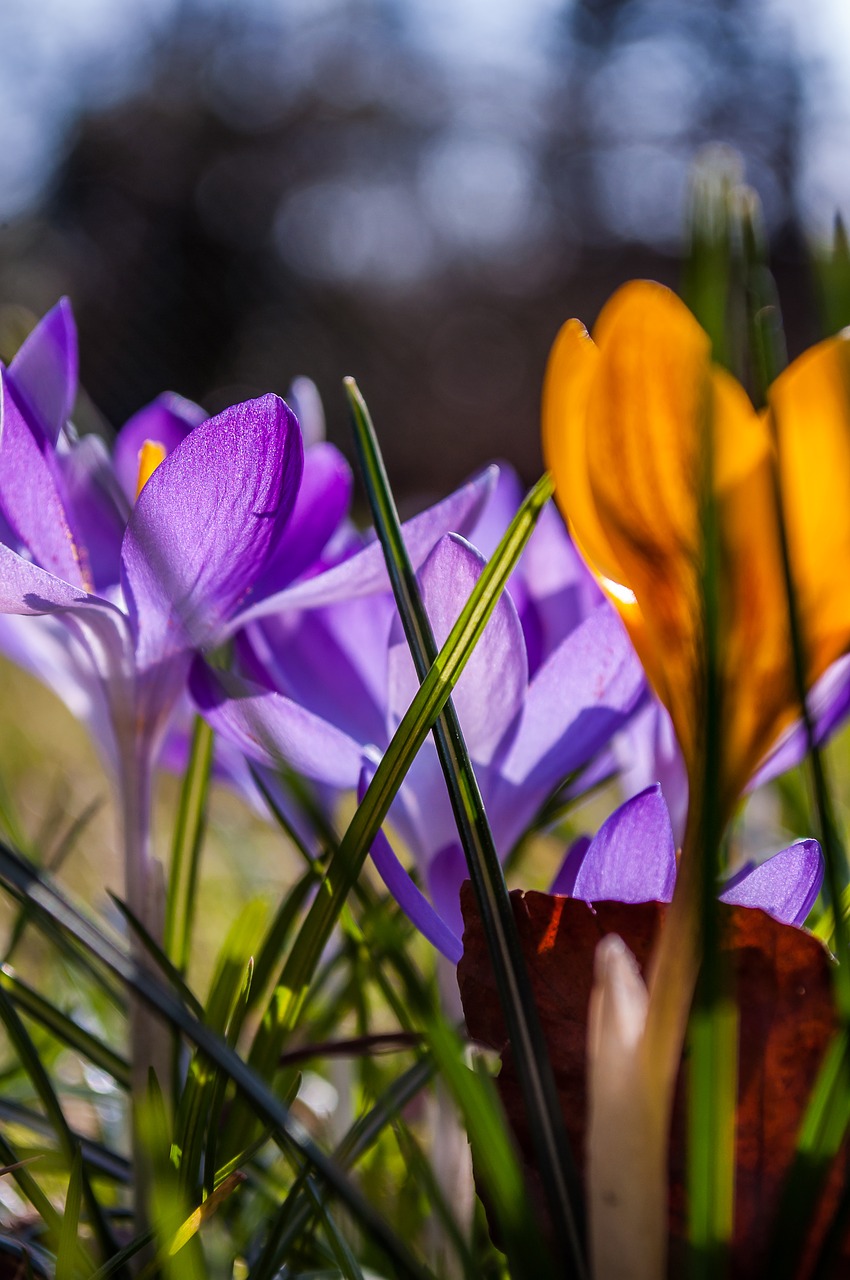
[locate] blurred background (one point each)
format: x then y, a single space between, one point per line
417 192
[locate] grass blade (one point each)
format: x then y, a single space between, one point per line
64 1028
32 1064
186 847
554 1156
26 883
66 1254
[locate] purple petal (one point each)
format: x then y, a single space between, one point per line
647 751
490 691
306 403
321 506
166 420
632 858
96 506
333 661
205 523
43 374
582 695
412 901
272 729
829 705
447 871
29 495
564 881
559 591
785 886
365 573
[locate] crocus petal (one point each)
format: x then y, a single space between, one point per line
829 706
412 901
205 523
447 871
96 506
577 700
365 572
628 465
490 691
29 495
321 506
272 729
166 420
43 374
332 660
810 405
631 859
785 886
306 403
646 751
558 591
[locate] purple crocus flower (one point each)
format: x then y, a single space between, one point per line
632 858
331 684
119 581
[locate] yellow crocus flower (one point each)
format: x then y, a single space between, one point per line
626 421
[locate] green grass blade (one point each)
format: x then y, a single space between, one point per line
712 1028
25 881
555 1159
41 1082
66 1254
64 1028
186 847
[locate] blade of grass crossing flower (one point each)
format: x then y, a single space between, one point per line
31 1061
66 1254
186 847
347 860
713 1039
25 881
65 1029
712 1027
556 1161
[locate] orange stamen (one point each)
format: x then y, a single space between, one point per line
151 455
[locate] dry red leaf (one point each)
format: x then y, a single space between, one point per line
786 1022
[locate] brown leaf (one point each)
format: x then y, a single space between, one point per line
786 1022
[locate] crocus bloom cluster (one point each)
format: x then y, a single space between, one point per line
552 679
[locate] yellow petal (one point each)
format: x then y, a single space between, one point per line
810 403
646 419
572 365
758 690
